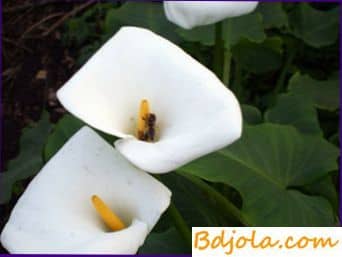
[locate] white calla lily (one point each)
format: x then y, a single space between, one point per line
55 213
196 114
189 14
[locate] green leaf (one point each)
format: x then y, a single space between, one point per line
234 29
166 242
264 165
335 139
86 52
78 30
296 111
203 34
259 57
316 28
62 132
251 115
244 27
324 94
273 15
194 206
29 161
147 15
324 187
64 129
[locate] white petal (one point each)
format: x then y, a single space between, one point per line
196 113
189 14
55 213
194 138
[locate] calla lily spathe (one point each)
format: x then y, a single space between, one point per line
190 14
196 114
55 214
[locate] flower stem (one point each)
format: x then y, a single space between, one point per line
222 201
237 87
281 80
180 224
218 51
226 66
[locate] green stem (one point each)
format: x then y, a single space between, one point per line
219 50
237 87
281 80
226 67
219 198
180 224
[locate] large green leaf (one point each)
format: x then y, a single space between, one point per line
196 207
296 111
165 242
147 15
317 28
64 129
324 94
29 160
273 15
324 187
264 166
234 29
259 57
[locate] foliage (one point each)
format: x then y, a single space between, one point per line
29 161
324 94
283 69
244 27
264 166
259 57
147 15
273 15
296 111
167 242
316 28
64 129
251 114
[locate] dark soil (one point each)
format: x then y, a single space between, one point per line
35 65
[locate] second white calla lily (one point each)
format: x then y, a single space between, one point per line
55 213
190 14
195 113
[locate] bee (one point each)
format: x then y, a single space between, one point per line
150 123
